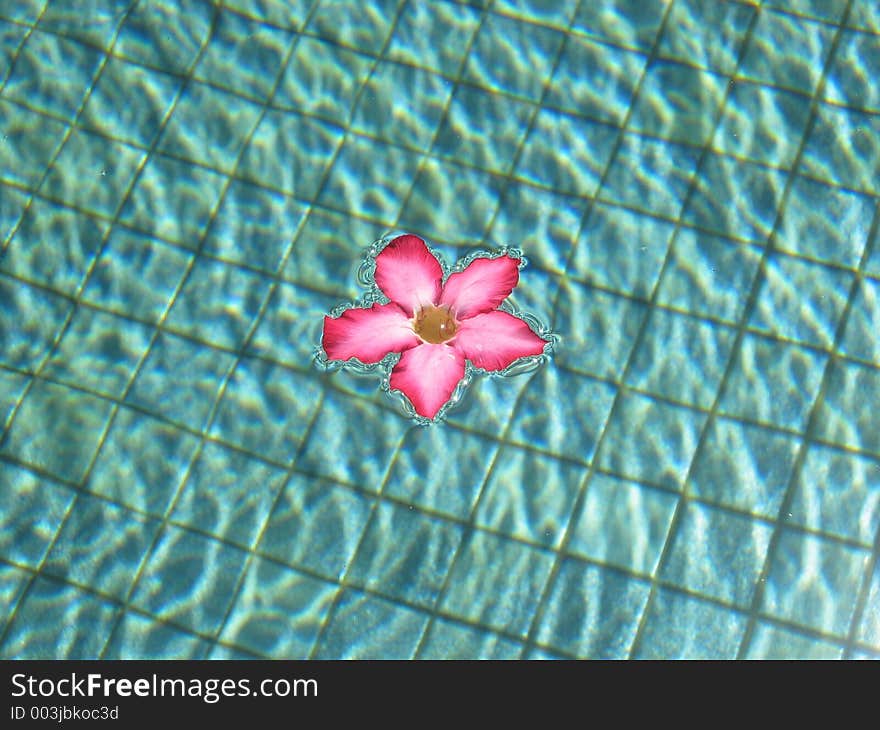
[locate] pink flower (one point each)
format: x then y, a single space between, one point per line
435 325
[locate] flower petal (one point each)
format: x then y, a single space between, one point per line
368 334
481 287
408 273
493 341
427 375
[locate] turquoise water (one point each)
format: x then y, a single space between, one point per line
187 188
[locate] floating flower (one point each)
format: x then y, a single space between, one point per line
444 326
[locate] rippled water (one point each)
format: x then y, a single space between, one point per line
187 188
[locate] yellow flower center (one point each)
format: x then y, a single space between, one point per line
434 324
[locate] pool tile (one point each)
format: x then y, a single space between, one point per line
772 382
104 18
775 642
37 314
58 430
28 144
830 10
405 554
846 416
488 404
364 27
592 612
12 386
717 554
142 462
865 17
449 640
496 582
855 63
26 11
869 626
58 621
863 323
12 207
681 627
189 580
142 637
744 467
228 495
288 14
625 22
649 440
838 494
100 546
279 612
615 510
367 627
435 35
316 525
179 380
13 582
34 508
814 582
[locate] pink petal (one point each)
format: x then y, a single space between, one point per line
408 273
481 287
427 375
368 334
492 341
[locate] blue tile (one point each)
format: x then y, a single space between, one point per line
279 612
651 441
170 39
58 621
592 613
825 223
414 99
142 462
11 37
856 62
365 627
625 22
497 582
709 35
681 358
52 74
708 275
606 91
859 339
26 11
869 627
621 250
441 470
813 582
34 508
556 14
129 102
681 627
762 124
830 10
243 55
405 554
844 149
323 79
100 546
266 409
104 17
488 404
228 495
562 413
774 642
12 585
735 198
54 246
141 637
678 103
218 303
512 56
612 513
565 153
846 416
12 205
364 27
772 382
205 113
435 35
173 200
529 496
37 314
598 329
837 493
800 301
29 143
483 129
316 525
865 16
717 554
99 351
12 386
768 60
179 380
650 175
744 467
189 580
58 430
448 640
282 13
